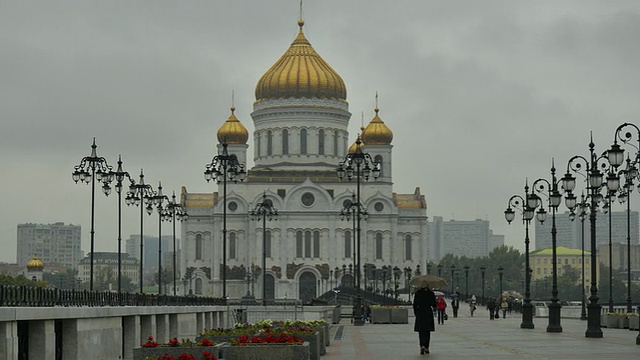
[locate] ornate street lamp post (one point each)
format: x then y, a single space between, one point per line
359 165
396 276
90 169
222 167
482 269
157 200
119 176
439 270
428 268
594 186
407 276
350 212
583 205
518 202
453 269
263 211
137 195
466 281
174 211
550 189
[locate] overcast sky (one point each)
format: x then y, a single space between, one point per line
479 94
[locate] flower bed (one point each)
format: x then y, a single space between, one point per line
264 351
178 350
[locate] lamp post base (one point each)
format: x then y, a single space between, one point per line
358 318
527 316
554 318
593 321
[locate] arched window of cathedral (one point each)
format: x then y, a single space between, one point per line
307 244
335 142
347 244
379 246
299 245
232 245
316 244
407 244
303 141
378 159
198 247
285 141
321 142
269 142
267 244
198 286
258 143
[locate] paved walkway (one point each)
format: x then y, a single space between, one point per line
480 338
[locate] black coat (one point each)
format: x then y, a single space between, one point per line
423 304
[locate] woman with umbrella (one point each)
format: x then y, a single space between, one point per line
423 304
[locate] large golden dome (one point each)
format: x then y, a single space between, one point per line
377 133
301 73
35 264
232 131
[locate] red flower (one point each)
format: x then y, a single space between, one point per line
186 357
208 356
150 343
206 342
174 342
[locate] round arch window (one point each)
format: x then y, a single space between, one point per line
378 206
233 206
346 204
308 199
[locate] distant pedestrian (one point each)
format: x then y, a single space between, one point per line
491 306
441 306
455 305
423 304
504 306
472 307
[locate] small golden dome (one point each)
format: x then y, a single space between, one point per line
377 133
35 264
301 73
358 144
232 131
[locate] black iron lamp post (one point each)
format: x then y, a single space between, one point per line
482 270
90 169
594 187
407 276
583 205
352 210
359 165
224 167
453 269
396 275
439 270
429 268
140 194
500 272
466 281
606 208
550 189
119 176
418 270
263 211
519 202
174 211
615 156
158 200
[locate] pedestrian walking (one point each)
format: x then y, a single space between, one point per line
504 306
423 304
455 305
491 306
441 307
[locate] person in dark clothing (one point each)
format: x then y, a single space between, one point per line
423 304
455 305
491 306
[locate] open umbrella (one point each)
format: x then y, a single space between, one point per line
429 281
438 293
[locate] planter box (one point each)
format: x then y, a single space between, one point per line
399 316
142 353
380 315
325 330
216 339
266 352
611 321
336 315
623 322
315 345
634 323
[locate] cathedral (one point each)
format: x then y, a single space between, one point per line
300 116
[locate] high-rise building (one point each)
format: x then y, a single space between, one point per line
300 119
569 233
150 248
52 243
619 256
471 238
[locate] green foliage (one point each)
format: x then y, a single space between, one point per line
20 280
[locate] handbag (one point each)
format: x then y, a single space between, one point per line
446 317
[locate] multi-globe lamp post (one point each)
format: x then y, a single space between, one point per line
583 207
223 167
157 200
140 194
550 190
518 202
352 210
358 164
500 273
466 281
90 169
595 181
264 210
174 211
482 270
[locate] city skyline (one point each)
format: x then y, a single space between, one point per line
495 91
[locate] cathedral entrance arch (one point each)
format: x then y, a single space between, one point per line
270 287
307 289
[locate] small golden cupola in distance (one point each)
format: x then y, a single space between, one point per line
232 131
377 133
